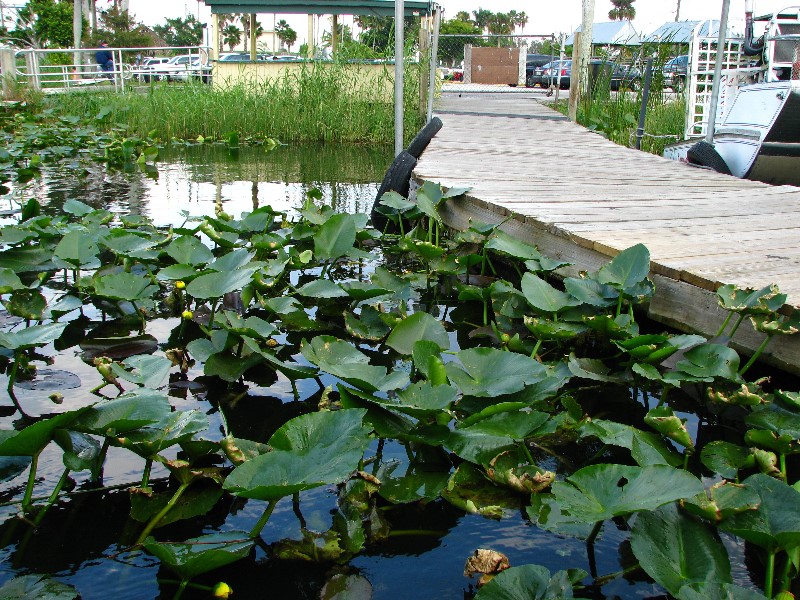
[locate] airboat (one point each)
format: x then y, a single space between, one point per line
743 100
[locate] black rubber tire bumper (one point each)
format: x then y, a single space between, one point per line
704 154
397 179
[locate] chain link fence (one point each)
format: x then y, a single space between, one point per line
492 63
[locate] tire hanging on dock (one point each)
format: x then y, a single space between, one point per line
398 176
704 154
397 179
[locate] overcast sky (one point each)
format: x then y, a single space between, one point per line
544 16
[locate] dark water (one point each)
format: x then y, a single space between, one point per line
83 539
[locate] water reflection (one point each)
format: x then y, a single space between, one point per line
198 179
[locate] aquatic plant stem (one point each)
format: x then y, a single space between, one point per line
26 498
96 473
256 531
594 532
162 513
724 324
11 379
770 574
735 327
181 588
52 499
755 356
148 465
785 580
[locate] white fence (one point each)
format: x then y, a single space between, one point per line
46 69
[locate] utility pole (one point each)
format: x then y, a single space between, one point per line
678 12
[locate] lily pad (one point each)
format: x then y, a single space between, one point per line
489 372
117 347
417 327
677 550
47 380
196 556
776 522
599 492
307 452
37 586
124 413
469 490
530 582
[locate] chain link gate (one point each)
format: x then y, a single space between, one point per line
492 63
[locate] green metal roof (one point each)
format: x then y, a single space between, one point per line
319 7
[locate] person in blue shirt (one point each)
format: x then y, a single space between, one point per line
104 58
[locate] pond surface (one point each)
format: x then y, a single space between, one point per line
199 179
83 541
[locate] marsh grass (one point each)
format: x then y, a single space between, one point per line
313 104
615 115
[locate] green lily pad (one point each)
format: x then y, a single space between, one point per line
543 296
307 452
663 420
9 281
33 438
717 591
76 249
176 427
646 448
676 550
47 380
599 492
145 370
344 361
217 284
81 451
189 250
36 335
124 286
507 244
726 459
530 582
776 522
627 269
124 413
489 372
196 556
417 327
706 362
335 237
37 586
367 325
321 288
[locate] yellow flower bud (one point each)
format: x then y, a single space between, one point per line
221 590
180 284
187 314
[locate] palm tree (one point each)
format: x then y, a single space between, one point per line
463 15
623 10
285 33
482 18
231 35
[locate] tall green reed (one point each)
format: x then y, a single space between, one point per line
316 103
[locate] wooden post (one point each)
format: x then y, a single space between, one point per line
32 64
8 65
574 85
253 37
424 47
215 37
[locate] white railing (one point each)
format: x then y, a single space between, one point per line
700 77
84 71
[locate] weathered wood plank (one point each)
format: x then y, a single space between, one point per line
582 199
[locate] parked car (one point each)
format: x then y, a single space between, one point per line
551 71
674 72
617 75
144 71
182 67
242 57
533 73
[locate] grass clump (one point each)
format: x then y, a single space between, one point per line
317 103
616 116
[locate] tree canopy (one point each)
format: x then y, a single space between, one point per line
181 32
623 10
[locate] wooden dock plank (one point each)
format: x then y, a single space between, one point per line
583 199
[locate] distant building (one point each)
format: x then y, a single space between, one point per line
615 33
680 32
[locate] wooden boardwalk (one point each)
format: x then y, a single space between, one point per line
581 198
